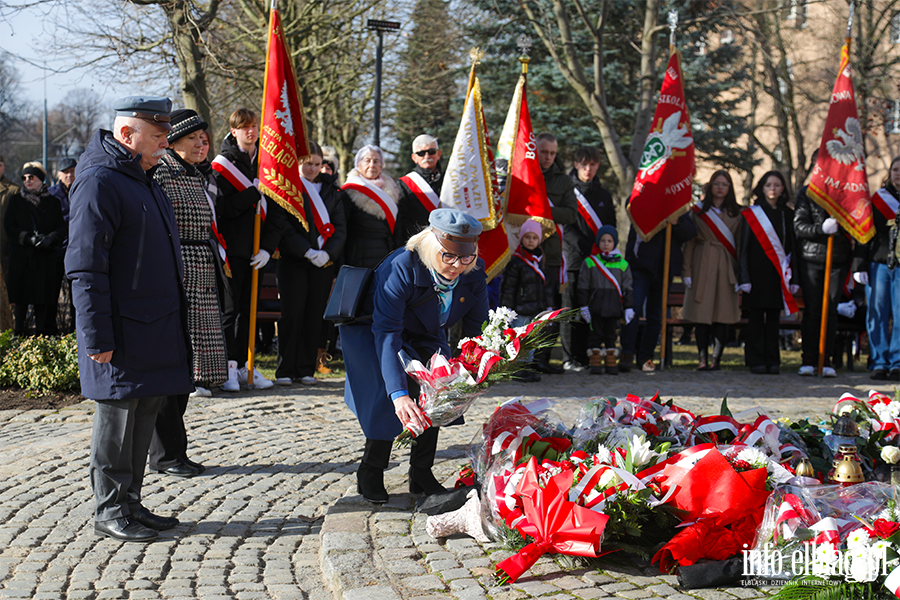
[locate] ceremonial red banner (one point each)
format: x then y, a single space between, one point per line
282 135
662 187
526 190
839 183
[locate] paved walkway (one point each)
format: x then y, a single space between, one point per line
277 516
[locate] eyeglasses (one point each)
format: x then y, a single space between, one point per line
429 152
449 259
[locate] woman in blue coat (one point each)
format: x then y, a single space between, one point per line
417 294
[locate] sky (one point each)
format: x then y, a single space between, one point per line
21 36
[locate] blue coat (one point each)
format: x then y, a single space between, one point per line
124 260
374 370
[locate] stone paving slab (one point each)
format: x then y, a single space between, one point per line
276 516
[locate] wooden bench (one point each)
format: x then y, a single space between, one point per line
676 300
268 291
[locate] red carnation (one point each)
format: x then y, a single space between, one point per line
650 428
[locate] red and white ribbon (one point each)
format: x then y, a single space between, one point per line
892 582
320 214
765 233
588 213
220 241
595 261
531 260
718 227
229 171
886 204
377 195
422 190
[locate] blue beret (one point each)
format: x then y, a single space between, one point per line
611 231
149 108
455 230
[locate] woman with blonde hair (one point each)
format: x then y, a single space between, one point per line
418 292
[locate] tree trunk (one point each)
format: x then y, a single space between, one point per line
185 38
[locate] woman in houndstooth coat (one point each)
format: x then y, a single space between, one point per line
185 186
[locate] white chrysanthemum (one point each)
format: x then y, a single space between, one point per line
754 456
863 567
858 539
604 456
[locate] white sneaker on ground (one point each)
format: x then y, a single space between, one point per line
572 366
828 372
259 382
232 384
808 370
283 381
308 380
200 392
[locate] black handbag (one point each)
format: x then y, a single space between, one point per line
347 295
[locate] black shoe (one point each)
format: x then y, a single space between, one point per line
370 484
526 376
545 367
759 370
894 375
598 370
148 519
774 369
125 530
880 375
200 468
182 469
423 481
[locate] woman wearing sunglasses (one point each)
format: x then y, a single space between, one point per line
416 295
35 226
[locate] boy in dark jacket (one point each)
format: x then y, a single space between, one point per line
605 292
523 287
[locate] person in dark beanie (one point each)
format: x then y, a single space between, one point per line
36 229
65 174
606 294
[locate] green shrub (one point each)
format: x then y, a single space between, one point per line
39 363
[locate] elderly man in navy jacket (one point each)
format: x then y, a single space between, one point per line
124 261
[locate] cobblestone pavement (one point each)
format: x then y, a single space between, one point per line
276 515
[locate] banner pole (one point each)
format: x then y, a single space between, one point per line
254 290
824 328
665 298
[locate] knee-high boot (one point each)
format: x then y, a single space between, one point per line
370 475
421 459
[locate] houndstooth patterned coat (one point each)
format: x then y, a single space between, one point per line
185 187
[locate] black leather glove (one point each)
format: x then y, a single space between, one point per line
28 239
42 242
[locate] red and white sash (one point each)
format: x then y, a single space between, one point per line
320 213
596 261
765 233
423 191
377 195
886 204
587 212
220 241
718 227
532 261
229 171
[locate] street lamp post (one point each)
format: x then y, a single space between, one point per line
379 27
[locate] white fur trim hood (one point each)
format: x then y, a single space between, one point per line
368 205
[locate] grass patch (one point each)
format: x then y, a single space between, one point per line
266 364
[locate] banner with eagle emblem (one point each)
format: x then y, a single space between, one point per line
663 186
839 183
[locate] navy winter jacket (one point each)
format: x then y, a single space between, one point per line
124 260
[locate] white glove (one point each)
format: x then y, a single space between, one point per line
256 183
847 309
629 315
585 314
687 282
830 225
320 259
794 288
861 277
260 259
737 288
745 287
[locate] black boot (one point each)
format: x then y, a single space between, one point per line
370 475
421 459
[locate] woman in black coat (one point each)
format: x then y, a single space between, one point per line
306 270
760 281
35 226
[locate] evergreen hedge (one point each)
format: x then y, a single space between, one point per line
39 363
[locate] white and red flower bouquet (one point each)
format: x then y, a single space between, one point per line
449 386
